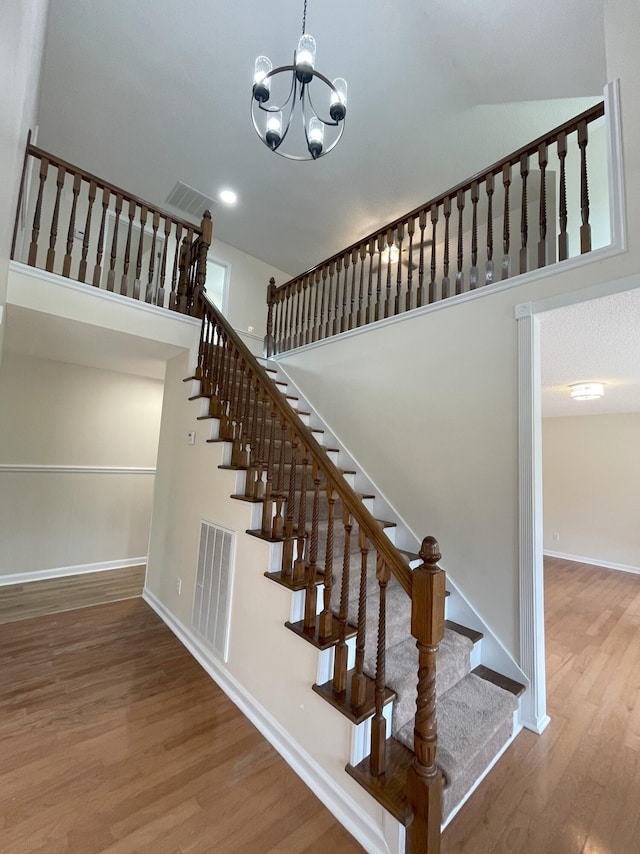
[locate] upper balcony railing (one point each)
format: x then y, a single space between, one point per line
542 190
82 227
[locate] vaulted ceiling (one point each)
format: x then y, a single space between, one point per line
155 91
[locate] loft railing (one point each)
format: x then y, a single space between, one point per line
85 228
543 188
297 483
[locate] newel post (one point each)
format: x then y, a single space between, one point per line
271 300
197 307
424 780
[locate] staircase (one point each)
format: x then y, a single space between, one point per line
363 623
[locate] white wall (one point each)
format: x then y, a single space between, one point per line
57 416
249 278
22 24
592 487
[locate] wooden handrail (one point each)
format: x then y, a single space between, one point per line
375 534
409 262
253 415
512 159
40 153
124 239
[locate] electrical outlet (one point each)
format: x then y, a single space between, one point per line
179 586
556 537
191 438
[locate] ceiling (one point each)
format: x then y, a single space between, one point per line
148 93
596 340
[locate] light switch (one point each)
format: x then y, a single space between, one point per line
191 438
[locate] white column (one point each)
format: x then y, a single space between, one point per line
534 702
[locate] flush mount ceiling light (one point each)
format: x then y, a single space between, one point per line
586 391
274 126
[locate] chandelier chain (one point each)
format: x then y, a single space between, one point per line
304 17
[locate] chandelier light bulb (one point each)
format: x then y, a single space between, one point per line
316 137
305 58
274 129
261 85
338 103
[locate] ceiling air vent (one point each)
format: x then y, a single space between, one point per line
190 201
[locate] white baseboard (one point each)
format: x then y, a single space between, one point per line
346 811
64 571
622 567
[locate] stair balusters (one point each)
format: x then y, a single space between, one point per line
341 650
93 214
383 261
290 473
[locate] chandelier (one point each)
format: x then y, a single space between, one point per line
273 127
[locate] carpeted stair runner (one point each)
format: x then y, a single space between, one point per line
475 717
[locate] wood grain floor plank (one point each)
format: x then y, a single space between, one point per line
112 738
55 595
575 788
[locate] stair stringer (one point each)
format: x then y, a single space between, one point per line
459 609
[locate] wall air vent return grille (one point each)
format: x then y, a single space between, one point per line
190 201
212 601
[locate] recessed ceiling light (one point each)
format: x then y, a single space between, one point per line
228 197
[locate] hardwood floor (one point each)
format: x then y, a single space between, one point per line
576 788
113 739
50 596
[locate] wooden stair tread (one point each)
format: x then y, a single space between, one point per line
390 789
249 499
473 635
342 700
515 688
199 396
287 581
259 534
313 637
